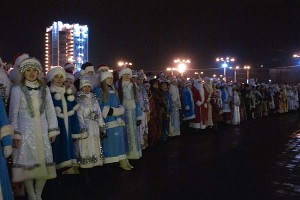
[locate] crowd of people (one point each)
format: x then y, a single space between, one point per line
66 122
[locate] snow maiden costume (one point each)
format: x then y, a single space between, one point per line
112 110
90 119
65 107
33 117
133 113
5 150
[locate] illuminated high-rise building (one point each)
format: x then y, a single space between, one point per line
66 43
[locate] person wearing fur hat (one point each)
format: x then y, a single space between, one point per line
199 100
133 113
206 110
90 119
188 105
112 110
69 83
165 110
65 107
176 106
33 117
144 102
88 72
6 149
69 67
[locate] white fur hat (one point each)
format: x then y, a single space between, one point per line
102 68
104 75
69 65
84 82
30 63
54 71
19 58
70 76
125 70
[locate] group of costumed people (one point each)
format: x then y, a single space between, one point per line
63 122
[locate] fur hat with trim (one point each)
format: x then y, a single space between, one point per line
18 58
70 76
70 66
102 68
106 74
30 63
84 82
54 71
87 67
125 70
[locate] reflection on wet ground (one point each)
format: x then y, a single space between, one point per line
258 159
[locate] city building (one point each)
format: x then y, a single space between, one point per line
66 43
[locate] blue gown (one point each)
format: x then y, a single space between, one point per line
5 140
113 144
63 147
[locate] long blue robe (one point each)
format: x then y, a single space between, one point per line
5 140
63 147
114 143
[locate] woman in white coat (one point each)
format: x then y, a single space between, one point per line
33 117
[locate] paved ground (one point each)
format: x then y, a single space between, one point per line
259 159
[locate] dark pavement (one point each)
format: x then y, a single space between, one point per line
259 159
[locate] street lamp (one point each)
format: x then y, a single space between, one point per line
247 67
182 65
171 69
225 64
124 64
235 68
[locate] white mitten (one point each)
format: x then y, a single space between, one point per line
7 150
205 105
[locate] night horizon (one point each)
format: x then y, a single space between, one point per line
152 35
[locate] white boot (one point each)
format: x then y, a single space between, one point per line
39 186
29 189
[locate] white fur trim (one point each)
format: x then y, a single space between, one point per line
69 91
54 71
105 111
69 65
139 117
6 130
71 98
57 96
198 103
76 107
188 118
52 89
195 125
68 163
20 59
118 111
106 74
76 136
125 71
53 133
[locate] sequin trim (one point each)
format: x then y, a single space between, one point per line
29 100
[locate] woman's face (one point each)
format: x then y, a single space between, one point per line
164 86
31 74
109 81
58 80
86 89
126 77
155 85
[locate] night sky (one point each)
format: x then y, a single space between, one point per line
151 33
